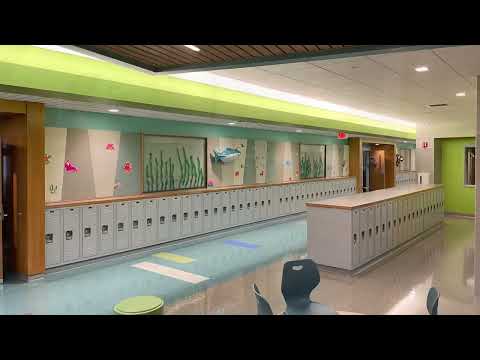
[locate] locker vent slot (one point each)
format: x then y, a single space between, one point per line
135 224
49 238
120 226
87 232
68 235
162 219
104 229
149 222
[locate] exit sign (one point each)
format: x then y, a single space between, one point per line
341 135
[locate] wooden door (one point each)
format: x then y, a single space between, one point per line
377 170
1 213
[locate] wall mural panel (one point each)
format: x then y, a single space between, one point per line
173 163
312 161
282 162
87 164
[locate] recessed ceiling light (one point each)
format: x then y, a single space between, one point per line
460 94
421 69
404 141
299 130
232 123
192 47
377 144
114 110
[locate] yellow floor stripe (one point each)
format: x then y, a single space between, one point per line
171 272
174 257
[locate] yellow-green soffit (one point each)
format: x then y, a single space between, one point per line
37 68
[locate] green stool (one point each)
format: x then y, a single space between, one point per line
140 305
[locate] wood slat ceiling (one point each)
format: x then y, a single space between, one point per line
158 58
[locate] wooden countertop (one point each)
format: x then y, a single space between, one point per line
145 196
370 198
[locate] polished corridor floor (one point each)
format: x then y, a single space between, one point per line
232 264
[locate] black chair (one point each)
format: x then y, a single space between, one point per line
263 307
432 301
299 279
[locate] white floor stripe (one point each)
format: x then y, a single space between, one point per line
171 272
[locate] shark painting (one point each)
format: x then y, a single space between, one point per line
225 156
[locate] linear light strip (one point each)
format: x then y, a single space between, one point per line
233 84
65 50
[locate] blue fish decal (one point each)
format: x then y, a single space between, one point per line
225 156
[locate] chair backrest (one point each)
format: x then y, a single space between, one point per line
263 307
432 301
299 279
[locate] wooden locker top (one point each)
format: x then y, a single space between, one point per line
365 199
149 196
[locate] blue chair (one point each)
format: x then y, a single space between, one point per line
299 279
263 307
432 301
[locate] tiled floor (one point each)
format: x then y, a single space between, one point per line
397 286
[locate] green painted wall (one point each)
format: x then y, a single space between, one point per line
458 198
90 120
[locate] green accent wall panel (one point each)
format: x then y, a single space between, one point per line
458 197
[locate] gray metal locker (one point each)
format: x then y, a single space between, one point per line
275 201
378 229
197 213
122 228
186 217
163 220
256 204
151 221
53 237
371 231
364 251
389 225
383 227
281 200
355 238
175 206
225 210
242 211
106 228
138 223
270 201
89 231
207 212
292 204
263 203
394 223
217 208
233 207
71 234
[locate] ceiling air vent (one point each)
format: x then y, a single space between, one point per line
437 105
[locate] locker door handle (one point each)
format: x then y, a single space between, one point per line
354 239
48 238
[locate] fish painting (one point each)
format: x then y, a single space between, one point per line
225 156
110 147
237 173
127 167
70 168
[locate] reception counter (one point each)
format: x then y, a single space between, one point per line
351 231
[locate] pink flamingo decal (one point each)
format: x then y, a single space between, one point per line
128 167
70 168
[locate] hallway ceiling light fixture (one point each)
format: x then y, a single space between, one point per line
192 47
66 50
114 110
461 94
209 78
232 123
421 69
299 130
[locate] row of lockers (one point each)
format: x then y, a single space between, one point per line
403 178
386 225
81 233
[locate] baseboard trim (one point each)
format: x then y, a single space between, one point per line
460 215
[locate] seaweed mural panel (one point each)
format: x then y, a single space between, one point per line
173 163
312 161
